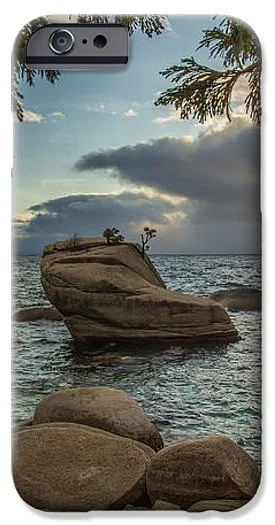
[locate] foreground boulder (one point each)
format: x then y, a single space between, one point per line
132 508
243 298
113 293
22 425
210 468
69 467
105 408
221 505
165 505
36 313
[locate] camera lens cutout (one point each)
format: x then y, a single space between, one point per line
61 41
100 41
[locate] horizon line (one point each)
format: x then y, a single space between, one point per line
167 253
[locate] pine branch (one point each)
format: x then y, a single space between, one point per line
200 91
150 25
232 42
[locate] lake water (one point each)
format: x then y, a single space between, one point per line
187 392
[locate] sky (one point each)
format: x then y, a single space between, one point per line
95 152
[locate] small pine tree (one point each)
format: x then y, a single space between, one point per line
113 236
146 236
72 242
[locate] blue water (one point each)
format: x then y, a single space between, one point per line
188 393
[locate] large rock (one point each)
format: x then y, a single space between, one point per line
243 298
69 467
37 313
148 451
106 408
112 293
210 468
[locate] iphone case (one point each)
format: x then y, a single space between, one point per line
137 272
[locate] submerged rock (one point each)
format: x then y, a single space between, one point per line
36 313
113 293
105 408
69 467
107 360
243 298
205 469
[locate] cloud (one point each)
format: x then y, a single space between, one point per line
119 107
101 108
174 219
172 116
91 214
57 115
30 116
241 90
218 172
130 113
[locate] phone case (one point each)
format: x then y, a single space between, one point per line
137 272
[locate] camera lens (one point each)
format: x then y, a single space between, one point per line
61 41
100 41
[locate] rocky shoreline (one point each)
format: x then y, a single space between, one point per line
96 449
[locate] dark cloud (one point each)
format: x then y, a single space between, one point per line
179 230
89 215
218 172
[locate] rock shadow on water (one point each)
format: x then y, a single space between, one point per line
121 354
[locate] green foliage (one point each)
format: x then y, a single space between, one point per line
200 91
149 25
146 236
113 236
21 73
